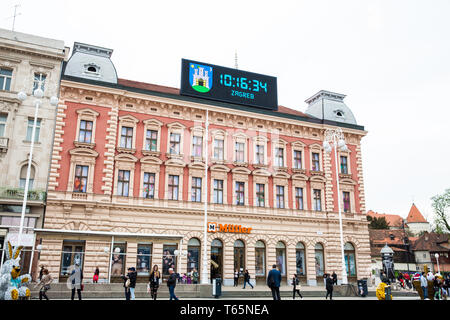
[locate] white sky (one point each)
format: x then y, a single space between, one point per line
391 59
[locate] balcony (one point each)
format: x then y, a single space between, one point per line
4 144
18 193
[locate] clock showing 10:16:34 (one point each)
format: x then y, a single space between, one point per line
243 83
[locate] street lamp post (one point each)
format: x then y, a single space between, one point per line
335 137
205 278
38 93
436 255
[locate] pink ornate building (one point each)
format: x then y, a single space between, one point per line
127 182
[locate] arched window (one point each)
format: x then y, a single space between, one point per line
280 251
239 255
23 176
216 259
260 258
193 254
350 264
320 263
300 259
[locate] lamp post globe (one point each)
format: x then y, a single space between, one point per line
54 101
38 93
22 96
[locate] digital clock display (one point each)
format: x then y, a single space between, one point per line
213 82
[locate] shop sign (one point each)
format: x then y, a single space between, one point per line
227 228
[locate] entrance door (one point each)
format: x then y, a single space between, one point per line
216 259
73 252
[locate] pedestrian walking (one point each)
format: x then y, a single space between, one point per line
334 275
325 276
424 285
295 283
154 282
44 284
41 272
274 281
236 277
329 287
195 276
171 283
130 283
247 279
96 274
76 279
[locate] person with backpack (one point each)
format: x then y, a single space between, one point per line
247 279
274 282
295 283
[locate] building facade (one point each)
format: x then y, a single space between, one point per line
128 182
26 61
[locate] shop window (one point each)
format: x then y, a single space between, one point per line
260 258
23 177
169 258
81 178
216 259
144 259
280 251
239 256
72 253
218 191
193 255
299 198
118 259
300 259
319 257
350 264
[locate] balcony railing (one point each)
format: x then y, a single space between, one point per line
18 193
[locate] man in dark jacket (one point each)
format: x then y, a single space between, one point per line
274 281
334 275
329 287
171 283
129 290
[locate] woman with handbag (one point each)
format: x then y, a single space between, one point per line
154 281
45 284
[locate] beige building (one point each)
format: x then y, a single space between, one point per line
127 182
25 61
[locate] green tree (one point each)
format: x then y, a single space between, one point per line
378 223
441 207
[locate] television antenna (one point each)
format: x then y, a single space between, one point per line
15 15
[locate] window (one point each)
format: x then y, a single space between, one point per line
175 139
280 251
85 131
315 162
317 200
259 157
151 140
346 199
260 195
123 183
299 198
240 186
5 79
239 255
280 197
349 254
260 258
169 258
197 143
240 152
3 118
300 259
196 189
23 177
297 159
143 259
30 130
218 191
39 81
72 252
173 187
118 259
344 166
218 149
126 138
318 255
193 255
149 185
279 157
81 178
